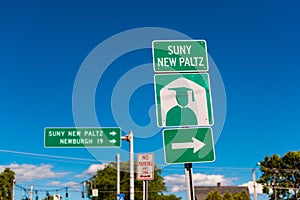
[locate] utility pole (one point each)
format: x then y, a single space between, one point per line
274 188
31 190
129 138
13 189
118 173
254 184
254 181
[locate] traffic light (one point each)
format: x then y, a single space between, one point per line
89 189
82 194
67 196
48 195
90 194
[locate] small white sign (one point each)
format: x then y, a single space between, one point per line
145 167
95 192
56 197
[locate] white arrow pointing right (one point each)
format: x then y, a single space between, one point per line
113 141
113 133
196 145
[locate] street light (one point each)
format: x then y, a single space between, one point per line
129 138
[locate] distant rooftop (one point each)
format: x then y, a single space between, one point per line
201 192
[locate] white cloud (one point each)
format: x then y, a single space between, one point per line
212 180
55 183
28 172
91 170
259 187
74 185
177 182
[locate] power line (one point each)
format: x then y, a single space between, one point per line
94 160
59 160
47 155
54 190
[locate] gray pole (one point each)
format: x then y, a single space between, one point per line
188 195
189 181
21 193
275 195
144 190
118 173
131 166
31 188
254 184
13 189
129 138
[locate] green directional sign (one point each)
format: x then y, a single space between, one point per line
183 100
82 137
180 55
188 145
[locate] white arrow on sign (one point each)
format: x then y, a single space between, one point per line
113 133
196 144
113 141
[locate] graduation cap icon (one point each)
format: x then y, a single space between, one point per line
182 96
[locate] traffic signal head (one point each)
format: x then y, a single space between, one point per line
67 196
90 194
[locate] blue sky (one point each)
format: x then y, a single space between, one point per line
45 44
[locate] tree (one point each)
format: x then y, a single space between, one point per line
227 196
214 195
280 174
105 181
7 178
244 196
236 196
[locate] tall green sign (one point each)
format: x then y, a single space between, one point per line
82 137
180 55
183 100
187 145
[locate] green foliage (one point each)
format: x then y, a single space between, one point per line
214 195
227 196
279 174
47 198
244 196
106 183
241 196
7 178
236 196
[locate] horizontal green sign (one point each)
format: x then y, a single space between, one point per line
83 137
180 55
188 145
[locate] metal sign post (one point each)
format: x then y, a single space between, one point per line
189 181
129 138
118 173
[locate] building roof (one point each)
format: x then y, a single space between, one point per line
201 192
